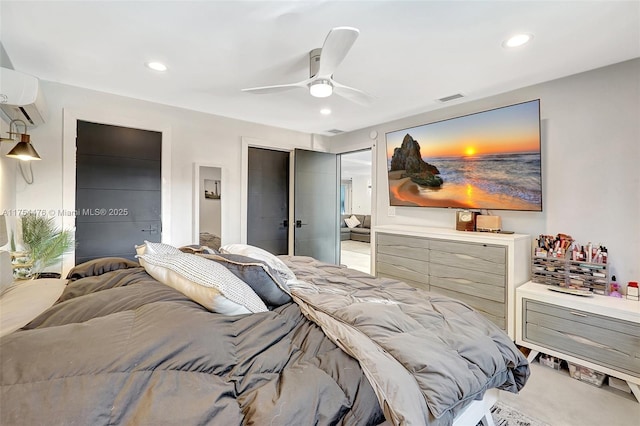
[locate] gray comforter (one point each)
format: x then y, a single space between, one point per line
427 356
121 348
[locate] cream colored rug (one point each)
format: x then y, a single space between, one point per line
503 415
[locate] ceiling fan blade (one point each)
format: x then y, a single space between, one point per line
277 88
354 95
335 48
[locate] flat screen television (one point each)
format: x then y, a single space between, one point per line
487 160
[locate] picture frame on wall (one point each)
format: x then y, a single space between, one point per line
212 189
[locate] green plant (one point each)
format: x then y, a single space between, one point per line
44 241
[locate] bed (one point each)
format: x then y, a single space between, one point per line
124 344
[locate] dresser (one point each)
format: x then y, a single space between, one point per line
478 268
599 332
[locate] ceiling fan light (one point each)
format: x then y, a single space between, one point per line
156 66
321 88
517 40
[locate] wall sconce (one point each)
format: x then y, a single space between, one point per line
23 150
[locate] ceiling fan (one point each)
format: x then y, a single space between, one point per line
322 64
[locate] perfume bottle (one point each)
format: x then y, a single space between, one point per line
614 288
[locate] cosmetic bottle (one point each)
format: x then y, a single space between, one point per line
632 291
614 288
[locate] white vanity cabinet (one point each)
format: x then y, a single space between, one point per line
599 332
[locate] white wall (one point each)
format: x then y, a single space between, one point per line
8 171
361 194
195 138
591 162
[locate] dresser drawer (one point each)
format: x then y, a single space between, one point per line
494 311
476 257
414 284
401 246
402 268
474 283
602 340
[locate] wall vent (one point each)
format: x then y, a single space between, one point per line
335 131
451 97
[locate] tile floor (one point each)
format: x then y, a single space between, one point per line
557 399
356 255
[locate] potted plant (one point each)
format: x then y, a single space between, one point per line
44 245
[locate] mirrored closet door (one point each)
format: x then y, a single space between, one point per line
207 205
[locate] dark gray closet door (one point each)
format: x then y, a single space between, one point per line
118 190
268 200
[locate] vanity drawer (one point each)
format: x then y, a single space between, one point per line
602 340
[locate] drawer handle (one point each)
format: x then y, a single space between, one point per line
586 341
464 256
403 268
578 314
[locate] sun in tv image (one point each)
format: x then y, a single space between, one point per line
488 160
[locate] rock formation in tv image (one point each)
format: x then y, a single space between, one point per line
407 158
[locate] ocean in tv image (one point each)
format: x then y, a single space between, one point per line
488 160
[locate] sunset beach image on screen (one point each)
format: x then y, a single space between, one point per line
487 160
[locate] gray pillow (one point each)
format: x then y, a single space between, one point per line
195 249
263 279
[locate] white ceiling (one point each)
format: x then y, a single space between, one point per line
408 54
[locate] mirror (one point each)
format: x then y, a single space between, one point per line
207 229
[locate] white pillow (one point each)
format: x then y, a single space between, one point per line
156 248
352 221
260 254
207 283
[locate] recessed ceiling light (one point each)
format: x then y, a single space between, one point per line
517 40
156 66
325 111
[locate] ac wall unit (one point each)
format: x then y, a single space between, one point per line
21 97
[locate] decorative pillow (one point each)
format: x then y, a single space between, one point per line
196 249
207 283
100 266
156 248
264 280
260 254
367 222
352 221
